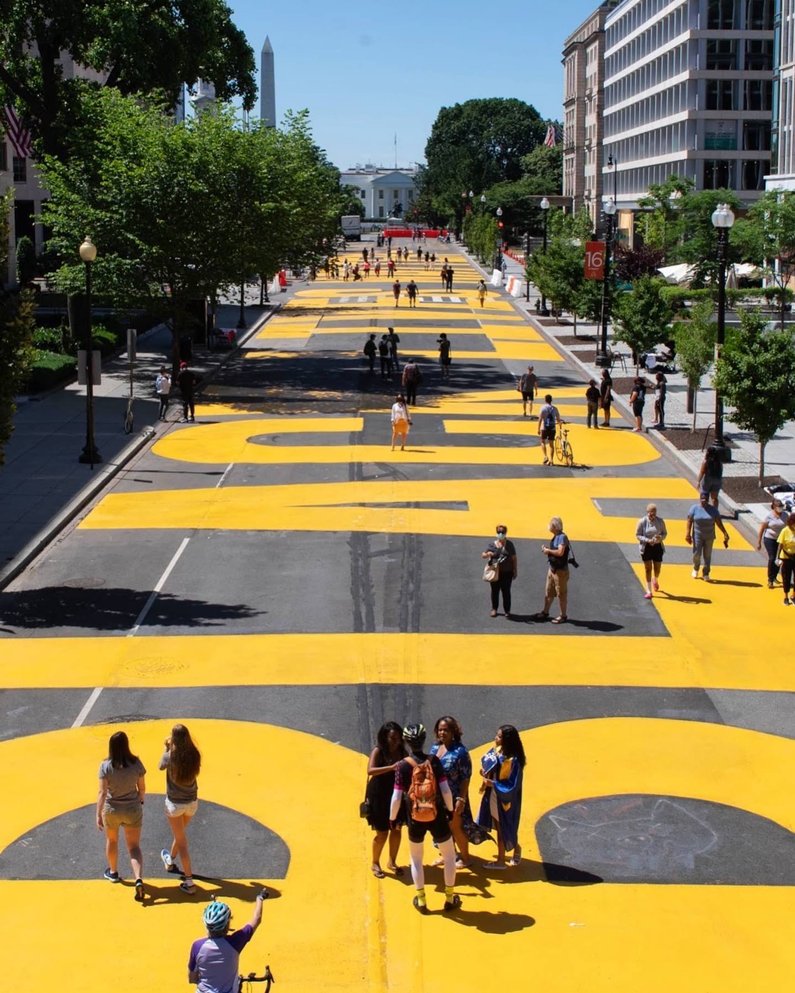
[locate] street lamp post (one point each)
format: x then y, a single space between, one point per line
544 205
498 252
612 163
90 454
602 358
722 220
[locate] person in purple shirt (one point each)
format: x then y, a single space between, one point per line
213 961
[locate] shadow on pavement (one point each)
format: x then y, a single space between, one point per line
110 609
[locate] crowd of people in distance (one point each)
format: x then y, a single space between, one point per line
428 793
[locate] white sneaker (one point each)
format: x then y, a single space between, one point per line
694 574
168 862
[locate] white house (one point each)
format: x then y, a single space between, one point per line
381 190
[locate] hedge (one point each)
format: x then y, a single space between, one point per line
48 370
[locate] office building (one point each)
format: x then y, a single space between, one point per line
583 94
688 91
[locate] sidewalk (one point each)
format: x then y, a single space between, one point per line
42 484
779 454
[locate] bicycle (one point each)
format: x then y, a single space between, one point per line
563 449
266 977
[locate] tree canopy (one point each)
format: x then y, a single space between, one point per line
476 144
133 46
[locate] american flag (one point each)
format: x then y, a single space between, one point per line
18 134
551 138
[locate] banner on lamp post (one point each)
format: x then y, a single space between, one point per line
595 260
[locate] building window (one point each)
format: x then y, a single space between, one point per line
721 53
759 15
758 54
718 173
720 94
754 173
758 94
20 170
756 137
3 156
362 194
720 16
395 194
381 195
380 211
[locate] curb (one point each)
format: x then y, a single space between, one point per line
91 490
67 514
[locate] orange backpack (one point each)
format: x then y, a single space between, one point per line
422 792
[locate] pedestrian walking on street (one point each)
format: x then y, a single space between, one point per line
443 274
557 584
606 396
702 519
444 354
482 292
501 556
390 267
393 340
502 772
385 355
528 387
411 290
346 270
396 292
400 422
384 760
182 762
710 475
592 398
163 390
377 268
454 756
421 787
771 527
450 274
187 380
370 350
786 556
120 804
637 401
651 532
412 377
660 393
548 420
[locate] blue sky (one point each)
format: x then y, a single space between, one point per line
366 71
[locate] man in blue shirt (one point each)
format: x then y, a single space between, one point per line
702 519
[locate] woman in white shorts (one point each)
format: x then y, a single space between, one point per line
182 762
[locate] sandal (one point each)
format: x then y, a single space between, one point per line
560 620
397 869
542 615
377 871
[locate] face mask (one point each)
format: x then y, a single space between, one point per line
500 536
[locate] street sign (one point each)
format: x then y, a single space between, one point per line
595 260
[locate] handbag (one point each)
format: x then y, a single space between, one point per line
364 809
491 573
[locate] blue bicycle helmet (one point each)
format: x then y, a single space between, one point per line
217 916
414 735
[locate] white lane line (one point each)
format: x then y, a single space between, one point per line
596 504
158 587
226 472
93 697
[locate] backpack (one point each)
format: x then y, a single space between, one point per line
549 419
422 792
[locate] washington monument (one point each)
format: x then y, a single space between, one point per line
267 83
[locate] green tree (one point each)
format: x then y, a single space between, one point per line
474 145
695 348
755 375
641 316
16 335
178 212
138 46
772 220
26 261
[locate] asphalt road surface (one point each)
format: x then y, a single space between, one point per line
280 580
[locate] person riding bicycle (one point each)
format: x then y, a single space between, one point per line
213 961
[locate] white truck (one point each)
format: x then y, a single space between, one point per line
352 227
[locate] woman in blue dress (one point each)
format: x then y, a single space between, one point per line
502 769
453 755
